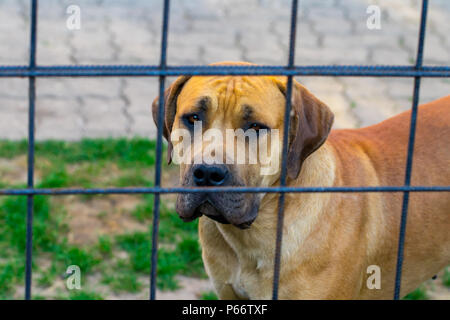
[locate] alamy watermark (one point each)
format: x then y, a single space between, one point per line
374 20
73 22
374 280
74 279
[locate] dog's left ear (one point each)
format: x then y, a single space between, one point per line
310 124
170 109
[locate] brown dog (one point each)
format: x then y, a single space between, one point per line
329 239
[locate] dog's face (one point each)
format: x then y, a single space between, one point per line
207 111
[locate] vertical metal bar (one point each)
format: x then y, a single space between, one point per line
280 217
30 178
409 161
163 64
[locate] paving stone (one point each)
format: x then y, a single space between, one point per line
212 30
58 54
435 51
13 50
202 32
104 118
432 89
13 124
92 44
99 87
143 125
438 22
140 93
343 115
13 88
391 57
368 100
403 104
264 52
371 110
13 105
319 85
198 9
138 49
318 56
53 45
184 55
365 87
399 88
212 54
331 25
54 88
304 36
367 39
58 119
225 38
93 107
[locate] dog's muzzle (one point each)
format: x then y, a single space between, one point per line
239 209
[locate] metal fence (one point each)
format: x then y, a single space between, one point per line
162 71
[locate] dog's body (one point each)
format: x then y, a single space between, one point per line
330 239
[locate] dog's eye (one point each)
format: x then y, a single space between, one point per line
192 118
256 126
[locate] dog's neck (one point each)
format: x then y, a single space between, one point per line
302 210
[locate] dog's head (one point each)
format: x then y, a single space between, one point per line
228 131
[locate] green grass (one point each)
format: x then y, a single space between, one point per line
125 152
120 282
446 277
418 294
210 295
105 245
71 255
47 277
84 295
144 211
10 273
90 163
184 258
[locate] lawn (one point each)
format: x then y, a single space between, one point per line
107 236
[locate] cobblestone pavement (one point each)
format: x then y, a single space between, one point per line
201 32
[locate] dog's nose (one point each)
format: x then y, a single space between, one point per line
210 175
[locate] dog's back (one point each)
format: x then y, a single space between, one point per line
384 146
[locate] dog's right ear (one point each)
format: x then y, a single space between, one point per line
310 124
170 109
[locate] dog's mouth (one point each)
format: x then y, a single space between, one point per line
209 210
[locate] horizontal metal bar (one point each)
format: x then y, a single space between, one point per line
155 71
69 191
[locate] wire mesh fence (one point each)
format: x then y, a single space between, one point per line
32 71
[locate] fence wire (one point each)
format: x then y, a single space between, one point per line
32 71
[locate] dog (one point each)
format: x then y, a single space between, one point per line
331 241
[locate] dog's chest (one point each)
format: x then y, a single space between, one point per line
251 271
239 288
250 278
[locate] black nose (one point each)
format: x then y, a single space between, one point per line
209 175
